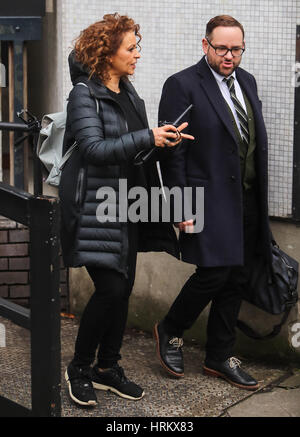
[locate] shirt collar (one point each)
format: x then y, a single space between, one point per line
219 78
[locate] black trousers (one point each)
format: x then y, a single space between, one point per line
104 318
222 286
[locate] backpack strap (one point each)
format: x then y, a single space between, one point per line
67 155
70 150
97 103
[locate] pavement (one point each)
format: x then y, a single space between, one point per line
194 396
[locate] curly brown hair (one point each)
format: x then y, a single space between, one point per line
100 40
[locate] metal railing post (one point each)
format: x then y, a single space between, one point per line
45 306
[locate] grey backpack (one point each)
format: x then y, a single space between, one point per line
50 144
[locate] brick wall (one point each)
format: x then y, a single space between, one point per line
15 265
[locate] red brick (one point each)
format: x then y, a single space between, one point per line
6 223
22 302
3 291
19 235
3 237
21 226
14 249
3 264
19 263
19 291
13 278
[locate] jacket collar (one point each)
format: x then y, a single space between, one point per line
99 91
214 95
212 90
252 96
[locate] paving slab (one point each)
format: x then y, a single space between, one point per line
292 382
279 402
195 395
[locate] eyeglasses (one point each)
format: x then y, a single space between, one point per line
222 51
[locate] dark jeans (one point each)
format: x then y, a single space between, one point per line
222 286
104 318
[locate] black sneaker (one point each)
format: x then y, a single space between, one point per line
80 385
115 380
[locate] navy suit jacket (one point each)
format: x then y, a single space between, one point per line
212 161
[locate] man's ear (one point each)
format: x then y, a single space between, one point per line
205 45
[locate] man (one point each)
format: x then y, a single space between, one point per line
229 159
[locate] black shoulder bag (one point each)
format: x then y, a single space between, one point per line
272 288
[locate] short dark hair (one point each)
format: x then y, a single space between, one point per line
222 20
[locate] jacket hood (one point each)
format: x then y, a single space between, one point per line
76 68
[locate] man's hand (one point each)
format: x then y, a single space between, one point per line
187 226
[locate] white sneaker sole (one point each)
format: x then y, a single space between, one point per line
98 386
89 403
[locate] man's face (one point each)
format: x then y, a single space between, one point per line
224 37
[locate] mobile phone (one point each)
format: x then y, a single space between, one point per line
143 155
176 123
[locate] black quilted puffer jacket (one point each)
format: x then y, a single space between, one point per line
101 158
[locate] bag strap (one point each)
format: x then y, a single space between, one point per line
70 150
67 155
96 100
253 334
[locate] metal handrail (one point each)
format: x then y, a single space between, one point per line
32 126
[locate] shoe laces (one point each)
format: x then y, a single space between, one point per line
177 342
234 362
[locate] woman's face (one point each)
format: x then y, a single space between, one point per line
123 62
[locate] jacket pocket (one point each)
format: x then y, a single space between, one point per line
79 187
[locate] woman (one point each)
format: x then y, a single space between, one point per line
108 121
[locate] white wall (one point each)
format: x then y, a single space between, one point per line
172 31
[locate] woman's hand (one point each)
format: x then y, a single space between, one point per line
169 135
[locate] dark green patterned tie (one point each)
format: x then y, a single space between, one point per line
241 114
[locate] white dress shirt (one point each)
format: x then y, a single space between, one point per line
226 94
